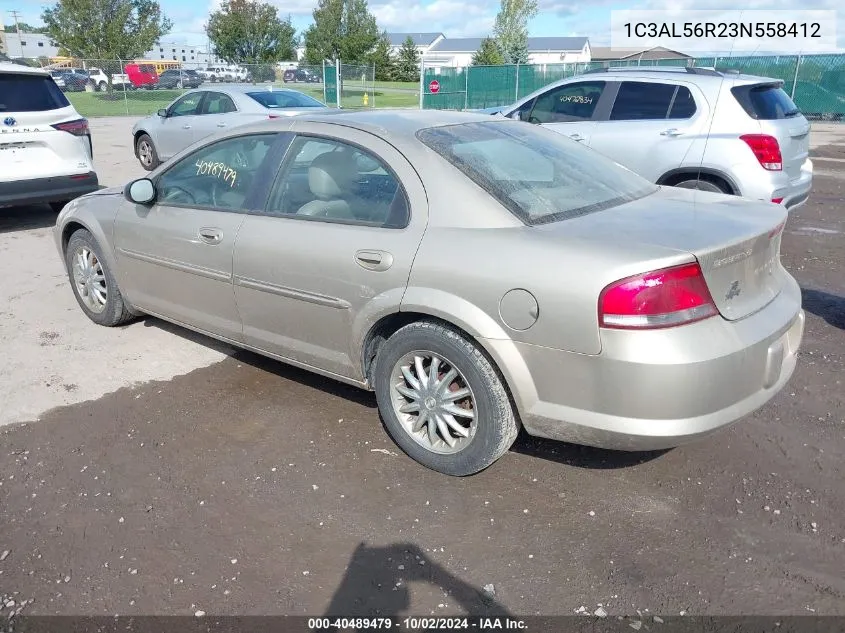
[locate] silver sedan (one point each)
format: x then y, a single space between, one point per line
200 113
479 274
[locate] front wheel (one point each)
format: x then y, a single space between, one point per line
103 86
147 154
442 401
93 285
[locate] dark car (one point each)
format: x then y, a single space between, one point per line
300 75
176 78
74 82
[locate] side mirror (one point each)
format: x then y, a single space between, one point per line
163 113
140 191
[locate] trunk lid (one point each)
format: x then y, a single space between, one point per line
736 241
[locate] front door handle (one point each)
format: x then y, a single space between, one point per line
374 260
671 132
221 124
186 127
211 236
576 137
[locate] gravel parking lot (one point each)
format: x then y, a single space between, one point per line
149 470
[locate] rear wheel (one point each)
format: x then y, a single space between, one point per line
93 285
147 154
442 401
702 185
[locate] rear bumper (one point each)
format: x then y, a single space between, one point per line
43 190
758 184
659 389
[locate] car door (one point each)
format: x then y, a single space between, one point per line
176 254
651 126
333 250
177 130
571 109
218 112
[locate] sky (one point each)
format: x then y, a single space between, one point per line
454 18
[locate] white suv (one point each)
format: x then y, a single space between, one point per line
696 128
46 153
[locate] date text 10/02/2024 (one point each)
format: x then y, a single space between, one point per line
418 624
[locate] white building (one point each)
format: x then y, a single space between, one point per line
422 41
458 52
29 45
190 55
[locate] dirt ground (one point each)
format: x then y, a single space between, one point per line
248 487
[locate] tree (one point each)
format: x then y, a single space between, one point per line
408 61
511 29
25 28
250 32
382 60
106 29
488 54
342 29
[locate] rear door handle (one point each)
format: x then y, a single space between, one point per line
576 137
221 124
186 127
211 236
671 132
374 260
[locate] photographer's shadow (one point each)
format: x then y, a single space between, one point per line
377 579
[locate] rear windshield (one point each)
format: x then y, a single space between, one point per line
539 175
766 103
285 100
30 93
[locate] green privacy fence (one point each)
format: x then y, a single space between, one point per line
815 82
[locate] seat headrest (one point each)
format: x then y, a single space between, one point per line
331 175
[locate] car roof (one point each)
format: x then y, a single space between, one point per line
11 67
696 74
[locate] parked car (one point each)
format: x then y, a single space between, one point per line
295 75
479 274
199 113
178 78
142 75
59 77
74 82
100 80
45 145
224 74
686 127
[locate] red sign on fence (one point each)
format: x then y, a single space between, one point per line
434 87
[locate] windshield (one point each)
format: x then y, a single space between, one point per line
539 175
766 102
285 100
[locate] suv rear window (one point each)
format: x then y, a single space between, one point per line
539 175
30 93
766 102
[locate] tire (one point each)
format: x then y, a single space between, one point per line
701 185
141 152
113 311
493 426
102 86
179 84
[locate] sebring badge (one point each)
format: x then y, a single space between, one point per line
733 292
10 121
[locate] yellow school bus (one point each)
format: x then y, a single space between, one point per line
159 64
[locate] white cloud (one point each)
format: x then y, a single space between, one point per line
452 17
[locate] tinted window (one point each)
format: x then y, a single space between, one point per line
30 93
285 100
766 103
327 179
638 100
187 105
539 175
567 103
217 176
684 105
218 103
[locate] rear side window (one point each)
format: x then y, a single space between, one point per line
765 102
30 93
640 101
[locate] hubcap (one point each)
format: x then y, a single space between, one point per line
433 402
145 152
89 279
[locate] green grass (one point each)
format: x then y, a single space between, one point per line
145 102
399 85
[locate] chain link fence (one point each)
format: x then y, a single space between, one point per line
815 82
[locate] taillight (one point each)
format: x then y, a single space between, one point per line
79 127
766 149
777 200
657 299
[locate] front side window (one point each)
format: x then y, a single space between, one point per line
187 105
571 102
218 176
331 180
539 175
